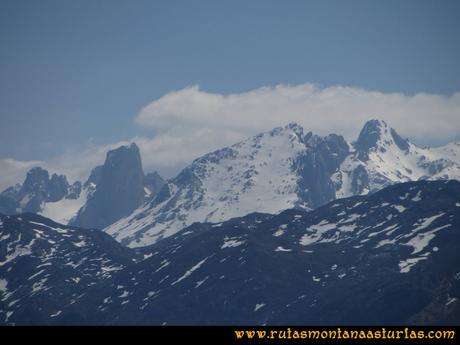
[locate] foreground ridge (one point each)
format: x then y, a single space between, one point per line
387 258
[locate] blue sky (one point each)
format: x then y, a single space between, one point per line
75 74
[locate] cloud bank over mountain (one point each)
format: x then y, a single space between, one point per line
323 110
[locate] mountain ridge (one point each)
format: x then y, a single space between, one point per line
280 169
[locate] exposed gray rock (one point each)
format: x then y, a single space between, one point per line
315 167
120 189
58 188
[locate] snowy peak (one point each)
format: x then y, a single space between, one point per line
382 158
270 172
377 135
370 134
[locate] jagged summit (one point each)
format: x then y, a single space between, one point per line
124 153
38 189
296 128
375 135
370 134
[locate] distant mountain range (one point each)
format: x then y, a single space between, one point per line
284 168
111 192
390 257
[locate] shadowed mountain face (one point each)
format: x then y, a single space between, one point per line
120 189
387 258
284 168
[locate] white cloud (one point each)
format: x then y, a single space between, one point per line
190 122
337 109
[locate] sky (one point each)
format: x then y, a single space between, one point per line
181 78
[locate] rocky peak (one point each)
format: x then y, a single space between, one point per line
120 188
370 134
38 188
36 181
58 187
123 155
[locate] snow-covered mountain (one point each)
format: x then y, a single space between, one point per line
284 168
112 191
380 157
392 257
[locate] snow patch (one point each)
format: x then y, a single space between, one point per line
417 197
399 208
451 300
230 242
258 306
190 271
200 282
281 249
406 265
